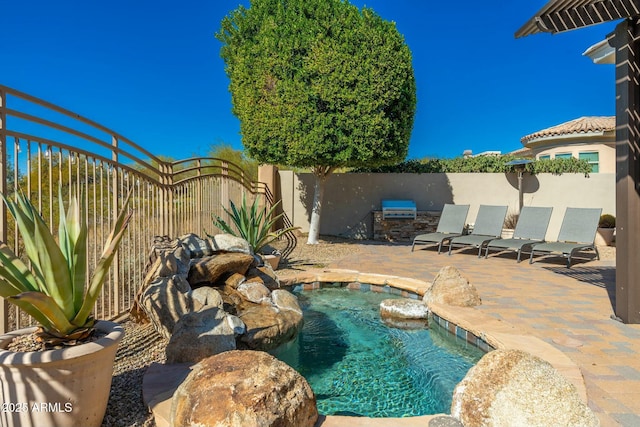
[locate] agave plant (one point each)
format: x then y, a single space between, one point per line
252 224
51 289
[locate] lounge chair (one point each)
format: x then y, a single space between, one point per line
577 233
488 226
531 228
451 225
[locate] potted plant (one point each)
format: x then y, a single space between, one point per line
68 382
254 225
606 230
509 225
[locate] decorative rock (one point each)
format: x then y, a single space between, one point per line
210 269
234 280
444 421
511 387
197 247
200 334
165 303
451 288
244 388
265 274
404 313
230 243
255 292
236 325
206 296
268 327
285 300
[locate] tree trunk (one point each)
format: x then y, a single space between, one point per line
320 174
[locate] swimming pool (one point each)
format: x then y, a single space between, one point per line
358 366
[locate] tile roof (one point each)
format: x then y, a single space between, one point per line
582 125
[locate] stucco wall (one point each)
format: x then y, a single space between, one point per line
350 198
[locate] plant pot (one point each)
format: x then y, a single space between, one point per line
273 260
57 388
604 236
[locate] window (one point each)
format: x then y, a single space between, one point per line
563 156
545 157
593 158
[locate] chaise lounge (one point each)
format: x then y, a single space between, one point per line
451 225
531 228
577 233
488 226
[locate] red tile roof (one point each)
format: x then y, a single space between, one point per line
577 126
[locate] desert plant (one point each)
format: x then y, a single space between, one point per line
51 288
607 221
252 224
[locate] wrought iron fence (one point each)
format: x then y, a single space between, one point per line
46 149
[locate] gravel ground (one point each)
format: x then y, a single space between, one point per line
142 345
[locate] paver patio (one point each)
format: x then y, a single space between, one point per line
570 309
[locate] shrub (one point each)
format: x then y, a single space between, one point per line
607 221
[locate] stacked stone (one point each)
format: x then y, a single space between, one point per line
208 296
404 230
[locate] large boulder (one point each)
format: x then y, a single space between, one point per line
201 334
165 301
211 268
404 313
452 288
264 274
285 300
268 326
514 388
206 295
244 388
255 292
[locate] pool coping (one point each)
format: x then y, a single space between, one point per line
499 334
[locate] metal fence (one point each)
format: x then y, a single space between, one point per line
46 150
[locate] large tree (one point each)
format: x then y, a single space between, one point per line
319 84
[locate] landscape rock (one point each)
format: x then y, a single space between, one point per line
268 327
243 388
255 292
197 247
285 300
265 275
452 288
404 313
511 387
234 280
211 268
230 243
198 335
165 301
206 296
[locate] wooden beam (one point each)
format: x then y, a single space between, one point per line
627 44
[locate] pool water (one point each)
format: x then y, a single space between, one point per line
358 366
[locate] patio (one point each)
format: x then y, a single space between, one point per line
570 309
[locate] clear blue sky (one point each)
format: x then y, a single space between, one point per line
151 70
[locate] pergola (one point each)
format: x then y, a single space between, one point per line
564 15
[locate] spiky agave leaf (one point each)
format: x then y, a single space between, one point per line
102 268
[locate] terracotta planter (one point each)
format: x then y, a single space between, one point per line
57 388
604 236
273 260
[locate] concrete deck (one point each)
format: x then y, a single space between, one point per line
562 315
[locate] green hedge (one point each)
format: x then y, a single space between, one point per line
482 164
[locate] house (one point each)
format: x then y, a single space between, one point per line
589 138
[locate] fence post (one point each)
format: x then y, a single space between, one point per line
4 305
115 183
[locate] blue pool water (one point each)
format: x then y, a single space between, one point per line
357 366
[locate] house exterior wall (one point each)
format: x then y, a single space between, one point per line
350 199
606 153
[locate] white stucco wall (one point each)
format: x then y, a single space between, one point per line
350 198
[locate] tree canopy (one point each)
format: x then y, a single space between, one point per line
319 84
